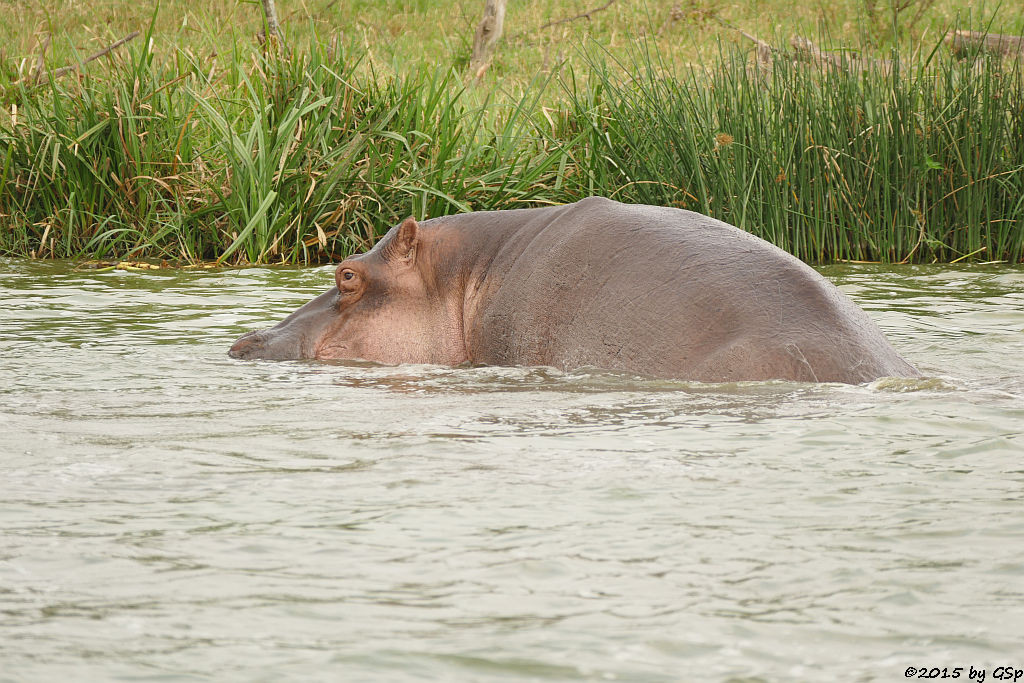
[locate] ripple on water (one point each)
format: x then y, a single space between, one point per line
170 512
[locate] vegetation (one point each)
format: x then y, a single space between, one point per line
923 163
409 34
259 155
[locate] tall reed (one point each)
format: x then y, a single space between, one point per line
879 162
276 158
257 157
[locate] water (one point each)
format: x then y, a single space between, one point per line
169 513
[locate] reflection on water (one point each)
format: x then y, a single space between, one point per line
168 512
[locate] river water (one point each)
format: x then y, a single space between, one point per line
168 513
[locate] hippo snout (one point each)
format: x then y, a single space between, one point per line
273 343
248 346
294 338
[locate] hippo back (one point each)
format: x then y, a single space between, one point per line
662 292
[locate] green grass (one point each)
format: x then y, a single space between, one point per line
293 159
412 33
255 157
922 163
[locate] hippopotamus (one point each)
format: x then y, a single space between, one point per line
646 290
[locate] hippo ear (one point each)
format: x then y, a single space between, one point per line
402 246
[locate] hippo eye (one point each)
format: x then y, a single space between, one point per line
348 281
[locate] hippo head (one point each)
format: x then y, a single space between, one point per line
387 306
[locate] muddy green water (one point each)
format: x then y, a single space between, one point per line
168 513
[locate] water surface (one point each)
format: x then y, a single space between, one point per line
169 513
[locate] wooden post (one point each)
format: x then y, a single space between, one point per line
488 32
273 27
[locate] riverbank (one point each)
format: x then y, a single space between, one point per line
308 155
